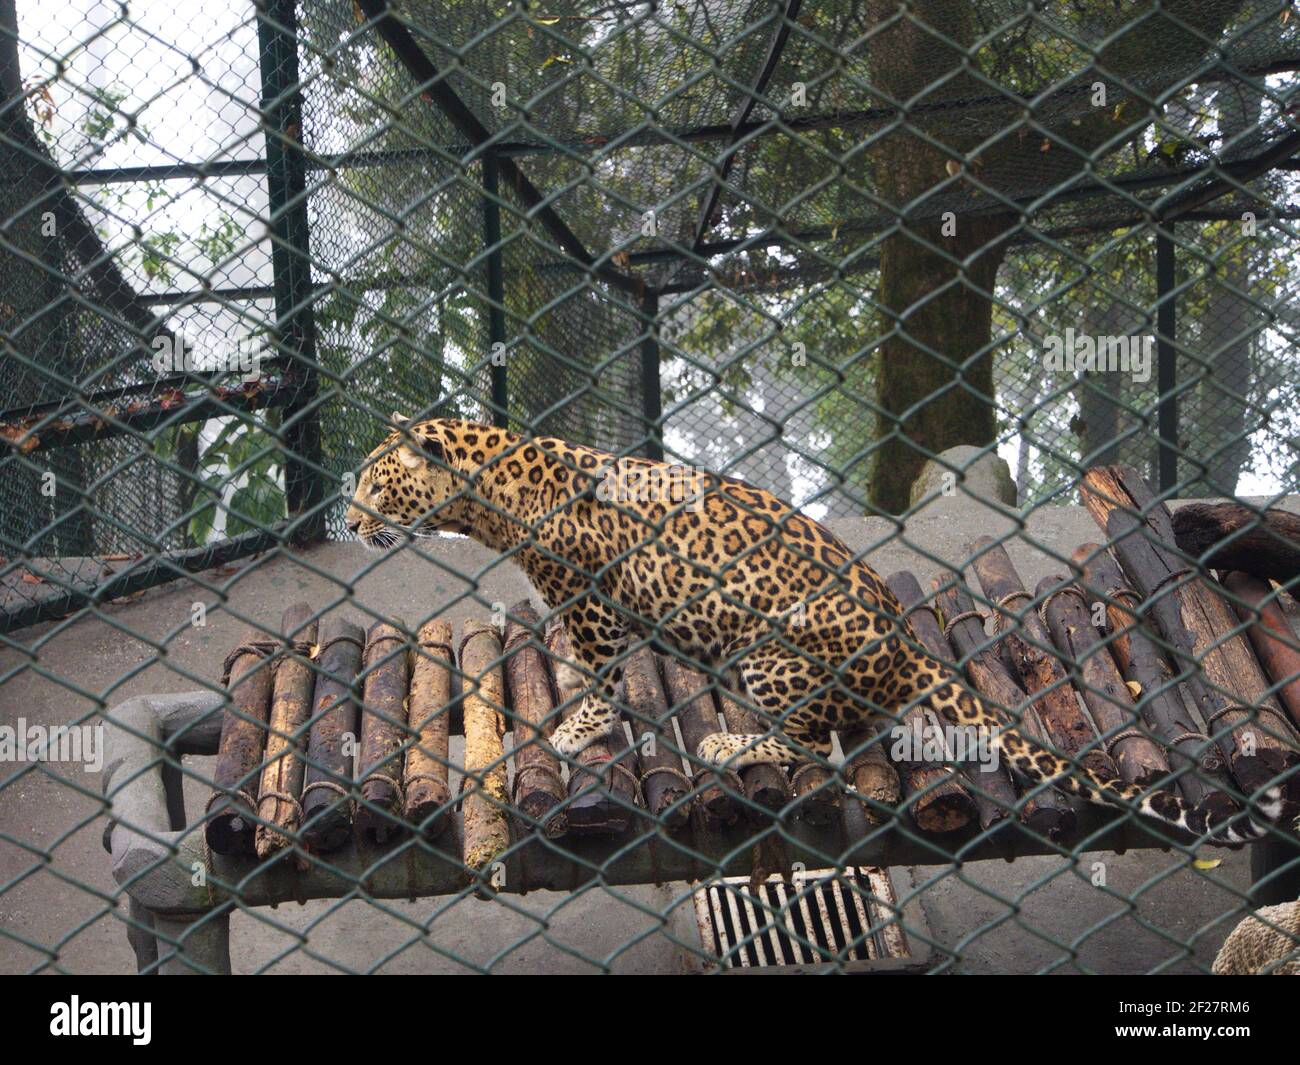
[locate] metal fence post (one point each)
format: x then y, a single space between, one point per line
1166 370
652 404
281 105
496 290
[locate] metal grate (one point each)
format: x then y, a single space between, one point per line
812 918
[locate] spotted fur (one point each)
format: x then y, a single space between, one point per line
724 573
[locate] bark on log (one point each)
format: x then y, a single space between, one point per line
602 789
383 733
327 788
1038 668
1142 663
869 770
484 794
539 784
1048 812
1104 692
427 799
1230 536
1271 635
665 786
766 786
936 798
1229 688
688 692
230 827
280 792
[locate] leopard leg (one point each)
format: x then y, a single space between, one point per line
599 639
806 726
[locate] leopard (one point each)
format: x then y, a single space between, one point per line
627 551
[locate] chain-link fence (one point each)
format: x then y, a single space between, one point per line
970 283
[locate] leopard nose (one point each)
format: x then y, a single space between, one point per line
353 522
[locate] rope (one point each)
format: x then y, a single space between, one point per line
1168 578
342 637
1065 589
284 795
1126 734
1004 614
965 615
660 770
264 649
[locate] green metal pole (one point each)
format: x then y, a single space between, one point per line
277 30
496 288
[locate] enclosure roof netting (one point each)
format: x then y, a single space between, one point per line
624 108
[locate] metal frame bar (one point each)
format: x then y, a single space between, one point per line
1166 359
286 182
746 107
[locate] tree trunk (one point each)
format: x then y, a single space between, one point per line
935 383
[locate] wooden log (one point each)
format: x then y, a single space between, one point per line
426 791
869 771
1271 634
384 733
991 788
1148 674
539 783
1228 687
230 825
936 798
1048 812
603 787
1104 692
278 798
697 716
766 787
1040 672
484 786
1230 536
665 786
328 780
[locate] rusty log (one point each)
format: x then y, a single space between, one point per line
697 716
539 785
278 797
1104 692
765 786
665 786
1147 674
1223 677
868 770
603 787
1039 670
484 793
328 781
384 732
1271 635
426 791
936 798
230 828
1047 812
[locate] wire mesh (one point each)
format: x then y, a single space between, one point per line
872 258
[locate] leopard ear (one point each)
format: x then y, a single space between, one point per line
399 419
426 447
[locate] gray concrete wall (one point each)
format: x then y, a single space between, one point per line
50 814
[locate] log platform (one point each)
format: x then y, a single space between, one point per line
353 739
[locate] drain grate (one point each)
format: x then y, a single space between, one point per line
829 916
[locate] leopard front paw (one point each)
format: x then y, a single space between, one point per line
573 737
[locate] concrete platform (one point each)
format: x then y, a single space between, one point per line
60 907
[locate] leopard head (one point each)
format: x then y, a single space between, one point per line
408 485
